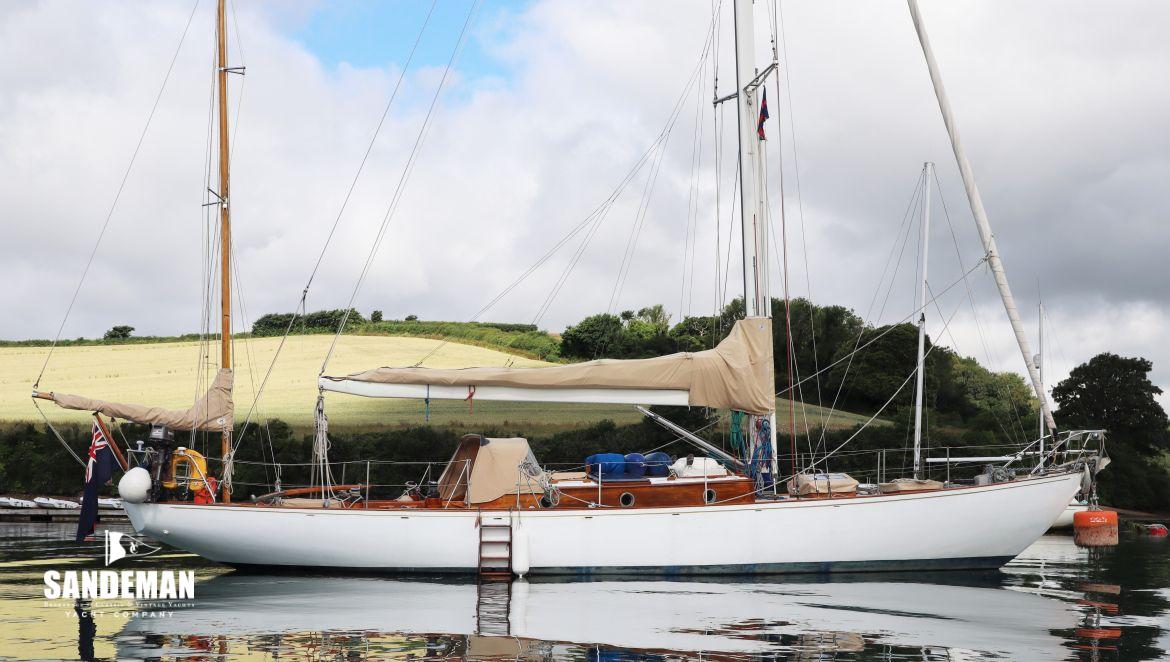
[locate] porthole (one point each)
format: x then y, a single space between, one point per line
709 496
626 499
546 502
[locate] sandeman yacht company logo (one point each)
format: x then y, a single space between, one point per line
125 584
120 545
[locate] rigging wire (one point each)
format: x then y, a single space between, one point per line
300 309
403 178
56 433
627 262
117 195
556 247
889 328
905 226
1050 329
640 217
906 381
730 239
717 137
691 238
209 232
778 31
647 154
975 315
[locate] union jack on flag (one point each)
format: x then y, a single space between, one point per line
95 448
97 471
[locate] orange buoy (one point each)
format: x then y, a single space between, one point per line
1095 528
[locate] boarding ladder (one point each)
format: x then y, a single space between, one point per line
495 546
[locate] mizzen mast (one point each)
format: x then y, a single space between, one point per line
920 376
225 229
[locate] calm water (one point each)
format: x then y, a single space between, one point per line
1055 602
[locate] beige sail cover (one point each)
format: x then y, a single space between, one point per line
806 484
736 374
212 412
909 485
484 470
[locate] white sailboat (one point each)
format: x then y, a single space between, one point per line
497 511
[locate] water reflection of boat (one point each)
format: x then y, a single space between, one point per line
730 616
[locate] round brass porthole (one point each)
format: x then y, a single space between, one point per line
709 496
626 499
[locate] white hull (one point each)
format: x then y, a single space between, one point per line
1065 520
962 528
60 504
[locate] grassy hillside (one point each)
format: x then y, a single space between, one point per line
164 374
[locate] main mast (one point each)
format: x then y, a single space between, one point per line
753 208
753 212
225 230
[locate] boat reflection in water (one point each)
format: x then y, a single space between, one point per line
803 617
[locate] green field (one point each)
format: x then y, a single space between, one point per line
165 374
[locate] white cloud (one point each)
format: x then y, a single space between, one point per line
1062 105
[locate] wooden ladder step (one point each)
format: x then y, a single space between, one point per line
495 548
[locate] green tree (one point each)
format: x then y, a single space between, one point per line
593 337
656 316
731 313
376 316
695 334
119 332
885 359
990 400
275 324
1115 393
817 334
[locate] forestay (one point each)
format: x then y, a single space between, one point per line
735 374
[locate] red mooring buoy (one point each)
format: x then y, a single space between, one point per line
1095 528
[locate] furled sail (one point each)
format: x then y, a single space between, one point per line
736 374
212 412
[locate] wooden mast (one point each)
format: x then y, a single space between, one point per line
225 227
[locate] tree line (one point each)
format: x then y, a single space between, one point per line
837 359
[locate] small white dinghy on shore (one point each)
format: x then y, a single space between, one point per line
61 504
13 502
109 504
1065 521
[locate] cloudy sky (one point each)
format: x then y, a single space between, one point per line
1064 108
